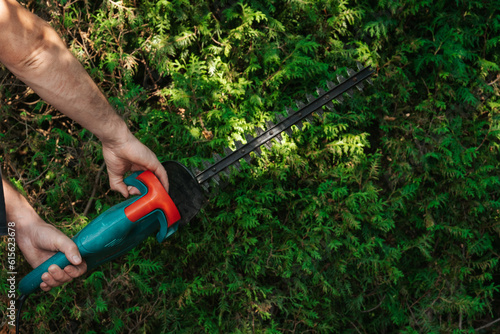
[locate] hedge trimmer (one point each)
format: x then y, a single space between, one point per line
125 225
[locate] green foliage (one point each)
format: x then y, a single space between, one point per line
382 217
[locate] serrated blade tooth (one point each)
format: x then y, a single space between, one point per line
300 125
268 144
227 151
351 73
258 131
216 157
216 178
300 104
310 98
237 165
330 85
282 118
224 173
320 91
206 164
195 171
269 125
248 138
341 78
238 144
339 99
257 150
359 65
278 138
329 105
310 118
289 111
369 81
319 112
205 186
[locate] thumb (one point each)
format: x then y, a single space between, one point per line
69 248
116 183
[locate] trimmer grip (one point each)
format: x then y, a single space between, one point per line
94 240
31 282
124 226
119 229
154 198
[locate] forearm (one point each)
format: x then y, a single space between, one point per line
40 59
19 211
58 78
17 208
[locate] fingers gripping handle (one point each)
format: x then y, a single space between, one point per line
32 281
118 229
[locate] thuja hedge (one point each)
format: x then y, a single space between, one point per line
381 217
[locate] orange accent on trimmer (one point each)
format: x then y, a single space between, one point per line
156 198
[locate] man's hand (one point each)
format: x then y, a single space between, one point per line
129 154
38 241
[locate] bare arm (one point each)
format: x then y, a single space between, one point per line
34 52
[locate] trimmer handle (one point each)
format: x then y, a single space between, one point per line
154 197
118 229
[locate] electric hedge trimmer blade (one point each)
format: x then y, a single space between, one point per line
296 118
